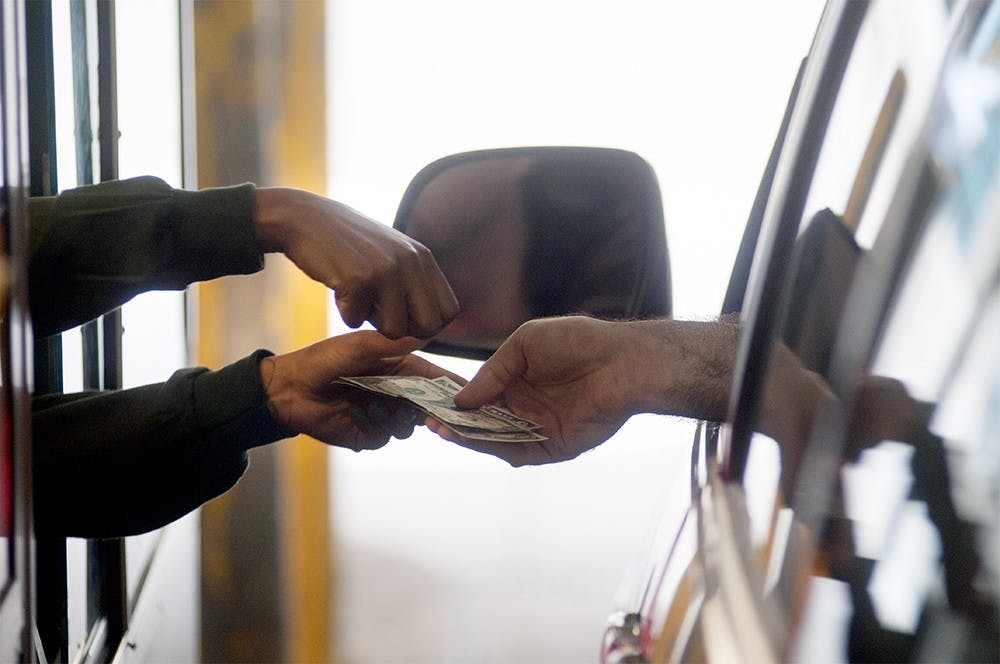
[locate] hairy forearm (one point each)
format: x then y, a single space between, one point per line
682 368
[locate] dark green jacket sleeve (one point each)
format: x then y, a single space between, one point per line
96 247
108 464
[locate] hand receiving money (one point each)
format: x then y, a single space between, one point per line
435 397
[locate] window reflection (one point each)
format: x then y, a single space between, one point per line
889 434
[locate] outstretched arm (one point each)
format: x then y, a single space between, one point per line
377 273
304 397
94 248
581 378
109 464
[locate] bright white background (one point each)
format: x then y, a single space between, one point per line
449 556
445 555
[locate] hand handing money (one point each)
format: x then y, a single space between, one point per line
435 397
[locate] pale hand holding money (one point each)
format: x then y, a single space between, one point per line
581 378
435 397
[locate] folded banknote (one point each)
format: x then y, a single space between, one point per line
436 398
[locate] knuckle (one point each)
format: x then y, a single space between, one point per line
357 276
418 249
531 326
409 258
425 323
424 255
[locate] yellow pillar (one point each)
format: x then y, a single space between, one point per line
244 52
300 160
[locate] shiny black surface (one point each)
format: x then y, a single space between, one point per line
882 379
533 232
852 512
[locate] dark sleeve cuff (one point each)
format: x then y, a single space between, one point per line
201 215
233 401
121 463
95 247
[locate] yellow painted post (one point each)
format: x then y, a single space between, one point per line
244 51
300 160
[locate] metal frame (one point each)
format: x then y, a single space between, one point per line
17 607
107 615
824 72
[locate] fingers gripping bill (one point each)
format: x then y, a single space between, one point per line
436 398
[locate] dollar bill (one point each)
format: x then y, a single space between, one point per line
520 436
436 398
495 411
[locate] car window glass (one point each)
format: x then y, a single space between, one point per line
875 94
900 443
891 57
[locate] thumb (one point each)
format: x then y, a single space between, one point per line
368 347
497 373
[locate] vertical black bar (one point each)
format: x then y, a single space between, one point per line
759 327
112 345
100 599
107 89
41 98
91 360
111 553
50 584
50 552
106 569
91 357
81 93
48 365
42 176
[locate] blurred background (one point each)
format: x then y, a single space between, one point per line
446 556
422 551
